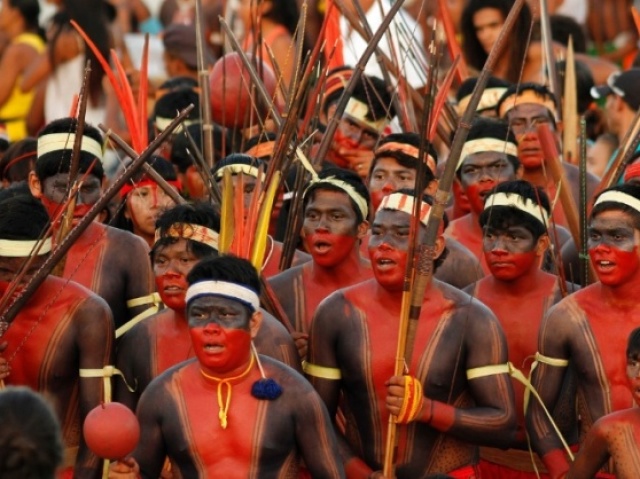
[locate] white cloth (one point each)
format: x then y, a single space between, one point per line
407 37
63 84
576 9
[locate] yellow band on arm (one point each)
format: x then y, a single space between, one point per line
516 374
153 299
491 370
106 373
559 363
321 372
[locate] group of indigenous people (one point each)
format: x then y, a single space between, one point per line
389 268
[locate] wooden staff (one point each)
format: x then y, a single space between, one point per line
203 85
36 280
423 273
67 218
585 264
148 169
570 109
547 44
554 163
358 70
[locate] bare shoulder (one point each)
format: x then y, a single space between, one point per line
124 239
284 279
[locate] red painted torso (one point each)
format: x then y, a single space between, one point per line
234 456
470 236
381 316
611 327
170 341
84 263
520 317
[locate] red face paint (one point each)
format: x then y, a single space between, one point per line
220 350
329 249
530 151
389 266
614 266
54 208
476 193
509 266
172 288
194 182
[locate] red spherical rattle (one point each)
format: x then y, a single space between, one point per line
111 431
232 95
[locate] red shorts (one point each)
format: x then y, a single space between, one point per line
66 473
466 472
490 470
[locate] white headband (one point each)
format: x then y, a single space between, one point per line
192 232
404 203
347 188
162 123
23 249
489 99
226 289
487 145
236 169
523 204
65 141
618 197
359 110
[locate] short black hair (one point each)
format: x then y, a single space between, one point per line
503 217
564 27
237 159
19 160
30 436
22 217
627 188
403 159
341 174
59 161
226 268
179 155
201 213
540 90
633 343
372 91
483 127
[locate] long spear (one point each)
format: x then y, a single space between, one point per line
547 43
62 249
203 85
67 218
424 271
148 169
570 109
358 70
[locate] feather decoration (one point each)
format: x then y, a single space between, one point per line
452 42
226 214
260 241
442 98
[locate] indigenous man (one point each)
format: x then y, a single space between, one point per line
352 350
524 107
244 170
365 118
61 332
185 235
584 331
335 220
489 157
110 262
394 167
615 436
515 221
260 427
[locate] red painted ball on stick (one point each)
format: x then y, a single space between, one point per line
111 431
232 91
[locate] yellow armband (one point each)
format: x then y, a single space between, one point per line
152 299
106 373
321 372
